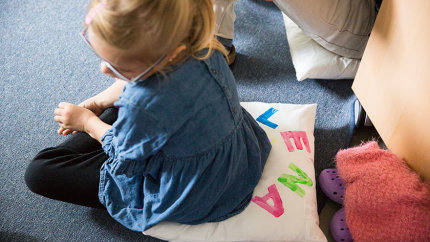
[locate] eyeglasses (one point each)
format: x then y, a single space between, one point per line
110 66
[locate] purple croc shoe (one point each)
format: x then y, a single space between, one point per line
332 185
338 228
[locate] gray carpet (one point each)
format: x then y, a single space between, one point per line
43 62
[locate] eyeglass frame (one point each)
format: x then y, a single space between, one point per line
112 68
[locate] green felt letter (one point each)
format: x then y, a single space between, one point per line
290 180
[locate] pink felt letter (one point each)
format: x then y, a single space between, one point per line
277 209
296 135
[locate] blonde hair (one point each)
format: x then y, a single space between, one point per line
158 27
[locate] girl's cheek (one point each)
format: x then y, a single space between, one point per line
104 69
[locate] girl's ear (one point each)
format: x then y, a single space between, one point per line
176 52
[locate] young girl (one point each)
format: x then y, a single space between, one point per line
177 146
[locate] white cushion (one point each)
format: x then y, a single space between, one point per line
311 60
290 215
340 26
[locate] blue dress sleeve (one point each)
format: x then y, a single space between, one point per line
134 137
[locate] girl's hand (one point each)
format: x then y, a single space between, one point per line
89 104
72 117
100 102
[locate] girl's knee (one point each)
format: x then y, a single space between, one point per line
34 176
38 176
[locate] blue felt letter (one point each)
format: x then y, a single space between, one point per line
265 116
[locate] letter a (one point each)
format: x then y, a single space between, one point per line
277 209
296 135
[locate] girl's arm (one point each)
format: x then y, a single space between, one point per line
96 128
106 98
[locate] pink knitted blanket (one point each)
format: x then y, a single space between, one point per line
384 199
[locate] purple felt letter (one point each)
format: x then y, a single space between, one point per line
296 135
277 209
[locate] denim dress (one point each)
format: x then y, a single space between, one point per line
182 148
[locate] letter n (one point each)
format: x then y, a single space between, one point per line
277 209
296 135
290 180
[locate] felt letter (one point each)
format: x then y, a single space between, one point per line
277 209
265 116
290 180
296 135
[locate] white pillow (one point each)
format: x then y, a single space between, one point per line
311 60
296 219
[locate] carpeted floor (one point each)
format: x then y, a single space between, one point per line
43 61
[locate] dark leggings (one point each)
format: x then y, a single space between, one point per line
70 172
